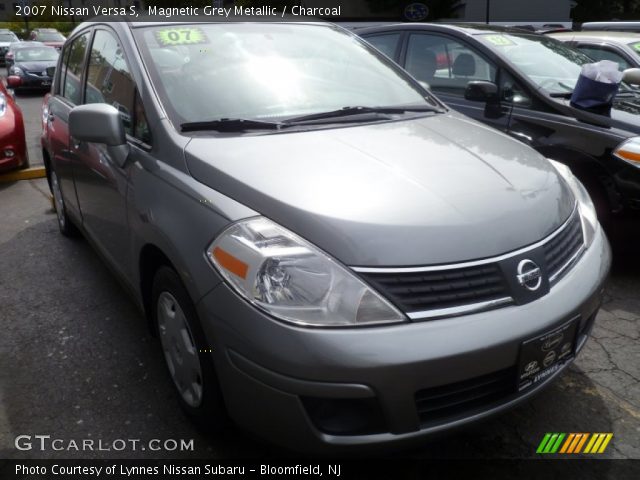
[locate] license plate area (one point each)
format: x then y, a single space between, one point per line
545 354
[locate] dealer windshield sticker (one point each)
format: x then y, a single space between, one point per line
499 40
636 46
170 37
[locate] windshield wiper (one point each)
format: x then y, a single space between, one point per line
350 111
230 125
561 94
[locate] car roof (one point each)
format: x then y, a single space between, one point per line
156 21
616 37
611 24
468 28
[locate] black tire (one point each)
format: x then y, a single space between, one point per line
26 164
65 224
210 411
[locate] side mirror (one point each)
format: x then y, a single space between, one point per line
100 123
481 91
14 81
632 76
51 71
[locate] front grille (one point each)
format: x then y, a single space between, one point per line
563 247
441 289
445 403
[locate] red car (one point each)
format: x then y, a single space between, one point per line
13 146
49 36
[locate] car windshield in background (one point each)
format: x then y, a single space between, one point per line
38 54
8 37
547 62
270 72
50 37
636 47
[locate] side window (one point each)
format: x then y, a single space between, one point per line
446 64
603 53
72 68
387 43
109 81
512 92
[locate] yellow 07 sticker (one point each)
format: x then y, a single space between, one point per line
169 37
499 40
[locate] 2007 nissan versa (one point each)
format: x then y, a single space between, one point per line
329 254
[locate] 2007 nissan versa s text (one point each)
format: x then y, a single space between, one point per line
329 254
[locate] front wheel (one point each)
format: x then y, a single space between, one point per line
67 228
186 353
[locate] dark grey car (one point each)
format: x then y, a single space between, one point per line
328 253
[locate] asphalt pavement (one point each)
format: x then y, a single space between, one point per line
77 361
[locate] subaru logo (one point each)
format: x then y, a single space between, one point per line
529 275
416 12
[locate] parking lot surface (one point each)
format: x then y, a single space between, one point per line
77 360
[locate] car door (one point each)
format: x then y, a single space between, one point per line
447 64
101 183
67 93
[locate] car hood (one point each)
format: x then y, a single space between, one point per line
433 190
35 66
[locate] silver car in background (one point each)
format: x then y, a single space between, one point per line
329 255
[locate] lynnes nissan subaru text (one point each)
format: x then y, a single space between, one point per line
329 255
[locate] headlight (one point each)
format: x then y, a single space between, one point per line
629 151
587 210
292 280
16 71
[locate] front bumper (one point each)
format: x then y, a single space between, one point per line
35 81
271 373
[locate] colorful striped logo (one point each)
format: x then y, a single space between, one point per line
574 443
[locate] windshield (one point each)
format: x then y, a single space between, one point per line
547 62
49 37
8 37
636 47
269 71
42 54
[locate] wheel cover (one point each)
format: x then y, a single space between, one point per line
180 351
57 198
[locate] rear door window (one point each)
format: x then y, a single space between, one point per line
73 68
